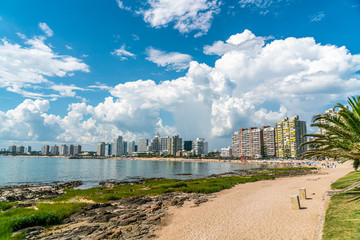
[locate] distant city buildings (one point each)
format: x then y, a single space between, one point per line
226 152
200 146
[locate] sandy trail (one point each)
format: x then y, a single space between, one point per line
260 210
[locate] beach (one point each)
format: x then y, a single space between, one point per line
259 210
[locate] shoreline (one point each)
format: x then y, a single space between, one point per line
259 210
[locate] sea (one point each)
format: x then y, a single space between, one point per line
15 171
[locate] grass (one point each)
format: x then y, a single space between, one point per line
347 180
342 219
49 214
46 215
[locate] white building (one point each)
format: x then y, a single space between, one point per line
143 145
226 152
200 146
64 150
117 147
164 142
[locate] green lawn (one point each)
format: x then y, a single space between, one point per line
347 180
342 219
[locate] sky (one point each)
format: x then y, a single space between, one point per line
82 72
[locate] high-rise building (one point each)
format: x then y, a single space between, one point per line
117 146
12 149
268 141
101 149
71 150
28 150
20 149
200 146
174 145
143 145
187 145
164 145
64 150
108 149
77 149
236 144
54 150
124 149
132 147
154 145
45 150
330 112
289 136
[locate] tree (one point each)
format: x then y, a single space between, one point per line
341 136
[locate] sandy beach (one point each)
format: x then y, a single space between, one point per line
259 210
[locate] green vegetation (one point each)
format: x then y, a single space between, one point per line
343 215
341 137
46 214
346 181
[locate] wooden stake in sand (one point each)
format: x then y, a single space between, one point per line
302 193
295 203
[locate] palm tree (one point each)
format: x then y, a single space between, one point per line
341 135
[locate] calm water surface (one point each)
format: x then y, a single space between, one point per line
32 170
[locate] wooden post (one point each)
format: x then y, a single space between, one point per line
302 193
295 202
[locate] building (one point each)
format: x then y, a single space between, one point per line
101 149
117 147
28 150
226 152
45 150
132 147
175 145
154 145
187 145
64 150
54 150
12 149
164 145
77 149
236 144
330 112
289 136
143 145
268 141
108 149
200 147
20 150
71 150
124 149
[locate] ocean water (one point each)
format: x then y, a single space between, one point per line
16 171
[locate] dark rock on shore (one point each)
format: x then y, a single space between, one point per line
132 218
28 193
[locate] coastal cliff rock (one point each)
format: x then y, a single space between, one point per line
132 218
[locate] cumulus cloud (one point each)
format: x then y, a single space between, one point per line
238 42
25 68
122 53
46 29
171 60
246 87
185 15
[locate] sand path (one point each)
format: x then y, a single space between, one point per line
260 210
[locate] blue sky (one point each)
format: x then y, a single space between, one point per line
85 71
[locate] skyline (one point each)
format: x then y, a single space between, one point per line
205 69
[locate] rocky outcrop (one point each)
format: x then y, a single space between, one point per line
132 218
28 193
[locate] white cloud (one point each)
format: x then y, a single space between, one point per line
122 53
68 47
27 69
240 42
186 15
46 29
262 6
170 60
122 6
318 17
245 88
